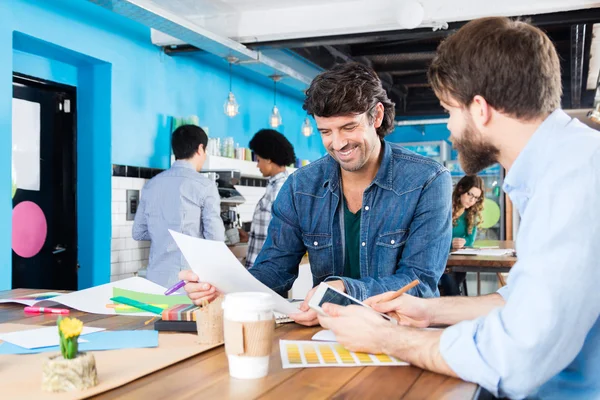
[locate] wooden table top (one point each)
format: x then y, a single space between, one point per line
501 262
207 374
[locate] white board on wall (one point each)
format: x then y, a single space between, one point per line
26 143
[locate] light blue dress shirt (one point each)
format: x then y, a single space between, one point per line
182 200
545 342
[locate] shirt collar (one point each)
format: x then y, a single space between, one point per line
383 178
183 164
522 175
279 176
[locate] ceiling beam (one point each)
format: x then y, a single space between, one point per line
584 16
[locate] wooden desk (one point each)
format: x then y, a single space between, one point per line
206 375
479 264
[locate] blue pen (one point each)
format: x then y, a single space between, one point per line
175 287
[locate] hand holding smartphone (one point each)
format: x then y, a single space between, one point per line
327 294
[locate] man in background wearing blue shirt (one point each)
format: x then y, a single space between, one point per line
180 199
539 336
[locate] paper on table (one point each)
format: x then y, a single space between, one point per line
95 299
307 354
43 337
31 299
324 336
484 252
214 263
106 340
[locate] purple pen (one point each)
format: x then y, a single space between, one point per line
175 287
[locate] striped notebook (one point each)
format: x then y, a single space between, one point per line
180 312
185 312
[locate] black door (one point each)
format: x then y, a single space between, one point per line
44 205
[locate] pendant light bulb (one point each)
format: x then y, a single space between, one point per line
275 118
307 129
231 106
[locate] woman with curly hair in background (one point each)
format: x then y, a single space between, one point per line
273 153
467 204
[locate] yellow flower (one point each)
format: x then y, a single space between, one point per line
70 327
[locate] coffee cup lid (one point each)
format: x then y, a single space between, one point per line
257 301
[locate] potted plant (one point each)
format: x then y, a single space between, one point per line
70 370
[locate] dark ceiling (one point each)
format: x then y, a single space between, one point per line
401 57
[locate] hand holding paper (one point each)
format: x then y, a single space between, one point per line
216 265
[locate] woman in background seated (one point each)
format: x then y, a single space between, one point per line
467 204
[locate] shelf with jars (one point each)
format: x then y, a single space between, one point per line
247 168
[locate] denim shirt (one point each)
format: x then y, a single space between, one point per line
405 229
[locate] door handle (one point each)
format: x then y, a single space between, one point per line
58 249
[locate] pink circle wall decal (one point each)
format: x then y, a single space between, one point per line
29 229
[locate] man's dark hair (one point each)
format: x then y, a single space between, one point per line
186 139
272 145
350 89
512 64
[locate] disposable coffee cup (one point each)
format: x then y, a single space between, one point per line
249 327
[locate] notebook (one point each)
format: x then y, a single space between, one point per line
185 312
284 319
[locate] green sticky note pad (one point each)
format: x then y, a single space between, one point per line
147 298
137 304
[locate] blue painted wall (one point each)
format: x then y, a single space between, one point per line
419 133
126 90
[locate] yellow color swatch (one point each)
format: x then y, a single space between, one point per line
327 354
344 354
364 358
383 358
293 354
311 355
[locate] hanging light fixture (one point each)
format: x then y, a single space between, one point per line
275 118
307 129
231 106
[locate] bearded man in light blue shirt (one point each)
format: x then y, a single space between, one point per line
538 337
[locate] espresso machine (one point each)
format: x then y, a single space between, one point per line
230 199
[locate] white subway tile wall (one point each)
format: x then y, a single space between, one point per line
127 255
252 195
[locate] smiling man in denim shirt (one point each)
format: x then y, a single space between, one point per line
372 215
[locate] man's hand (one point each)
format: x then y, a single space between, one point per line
197 291
458 243
308 317
357 328
407 309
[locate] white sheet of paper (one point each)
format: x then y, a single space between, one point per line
43 337
29 300
324 336
214 263
26 143
95 299
484 252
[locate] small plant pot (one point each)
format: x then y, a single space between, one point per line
62 375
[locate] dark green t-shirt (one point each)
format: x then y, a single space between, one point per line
352 234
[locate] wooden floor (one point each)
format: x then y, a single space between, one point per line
206 376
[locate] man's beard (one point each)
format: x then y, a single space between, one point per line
474 154
356 165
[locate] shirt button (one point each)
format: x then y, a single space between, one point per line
393 241
316 243
366 208
363 244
